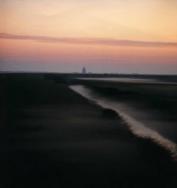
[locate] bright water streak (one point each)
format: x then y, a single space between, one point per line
136 126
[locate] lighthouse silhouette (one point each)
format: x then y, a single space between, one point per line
84 70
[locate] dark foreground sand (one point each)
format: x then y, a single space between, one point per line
52 137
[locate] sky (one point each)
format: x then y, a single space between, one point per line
115 36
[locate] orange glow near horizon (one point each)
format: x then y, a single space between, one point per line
20 48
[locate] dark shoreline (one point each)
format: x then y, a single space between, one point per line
56 138
71 76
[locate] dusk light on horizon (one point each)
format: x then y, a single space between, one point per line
129 36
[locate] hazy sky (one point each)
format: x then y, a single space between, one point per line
131 36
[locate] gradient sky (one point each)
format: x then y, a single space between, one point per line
126 36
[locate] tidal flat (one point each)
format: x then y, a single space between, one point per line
53 137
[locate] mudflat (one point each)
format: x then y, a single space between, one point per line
53 137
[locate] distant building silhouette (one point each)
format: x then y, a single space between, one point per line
84 70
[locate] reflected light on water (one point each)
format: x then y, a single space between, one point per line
137 128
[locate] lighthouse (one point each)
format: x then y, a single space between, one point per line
84 70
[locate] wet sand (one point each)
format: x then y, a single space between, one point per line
53 137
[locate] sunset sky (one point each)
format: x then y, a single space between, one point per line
123 36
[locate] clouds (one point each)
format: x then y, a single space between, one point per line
130 19
88 41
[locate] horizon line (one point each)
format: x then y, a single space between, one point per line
91 73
